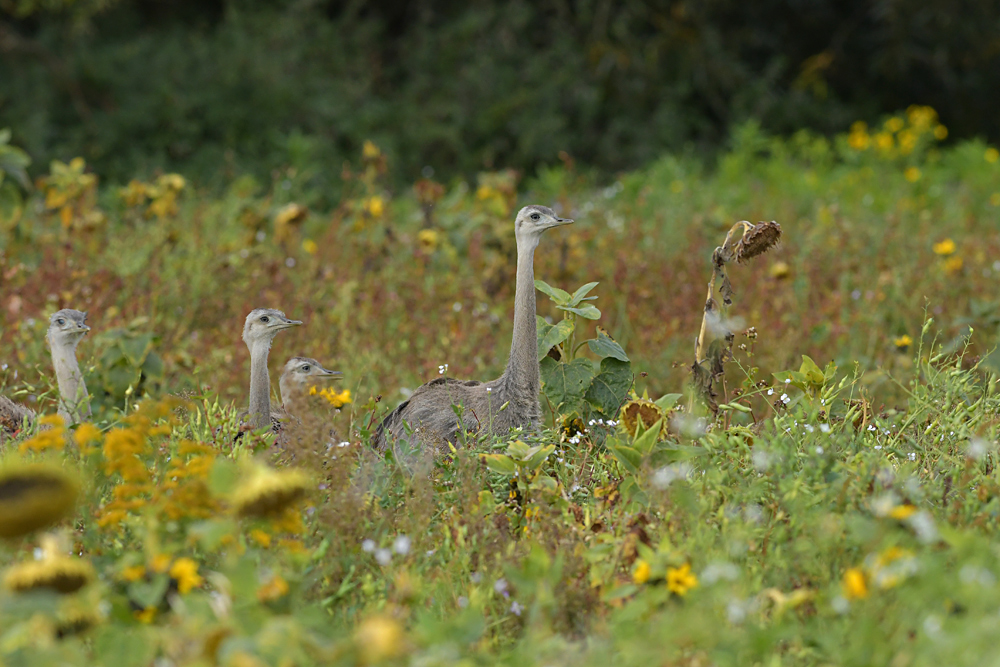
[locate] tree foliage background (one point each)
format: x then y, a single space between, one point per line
214 88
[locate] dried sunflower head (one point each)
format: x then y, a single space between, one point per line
757 240
34 496
642 410
55 572
269 492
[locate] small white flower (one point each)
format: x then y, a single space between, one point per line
476 577
516 608
785 399
770 391
368 546
463 601
819 450
912 456
500 586
383 556
788 380
825 428
809 427
401 545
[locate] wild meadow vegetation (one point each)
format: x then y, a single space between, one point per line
829 496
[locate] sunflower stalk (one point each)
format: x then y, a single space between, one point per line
743 242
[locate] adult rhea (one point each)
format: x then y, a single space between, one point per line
428 417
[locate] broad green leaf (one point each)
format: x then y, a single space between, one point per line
545 483
517 450
565 383
668 401
627 456
809 369
609 389
223 477
136 348
605 346
10 203
149 593
536 458
554 293
644 443
554 335
500 463
152 367
586 310
578 295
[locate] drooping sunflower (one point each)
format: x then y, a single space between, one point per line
269 492
643 410
34 496
56 572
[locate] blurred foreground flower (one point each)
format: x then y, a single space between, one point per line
379 638
427 239
642 571
269 492
944 248
337 399
854 584
902 342
56 572
681 579
34 496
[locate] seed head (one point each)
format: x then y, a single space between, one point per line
56 572
757 240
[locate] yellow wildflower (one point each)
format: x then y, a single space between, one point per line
894 124
859 139
907 142
185 571
945 247
369 150
940 132
294 547
85 434
854 584
260 537
134 573
428 239
174 182
160 563
34 496
680 579
884 142
953 265
641 573
912 174
991 155
337 399
995 199
310 246
902 512
485 192
289 214
379 638
133 194
147 615
46 439
375 207
779 270
275 588
902 342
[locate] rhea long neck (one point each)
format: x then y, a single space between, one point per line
522 374
260 385
74 401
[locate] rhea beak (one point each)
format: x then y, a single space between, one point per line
288 324
331 375
562 221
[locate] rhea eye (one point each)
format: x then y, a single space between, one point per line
60 321
535 216
305 369
265 319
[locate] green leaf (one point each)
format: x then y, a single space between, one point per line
644 443
565 383
809 369
517 450
136 349
500 463
537 456
149 593
554 293
153 366
609 389
553 335
627 456
587 310
578 295
668 401
223 477
10 203
605 346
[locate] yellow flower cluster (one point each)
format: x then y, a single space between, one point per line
73 193
679 580
184 493
427 239
902 342
52 436
337 399
899 136
883 571
161 195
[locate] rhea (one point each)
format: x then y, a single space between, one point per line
66 328
262 325
297 373
428 418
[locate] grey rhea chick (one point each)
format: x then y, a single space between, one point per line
259 330
428 419
298 376
14 417
67 328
